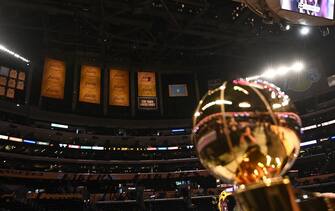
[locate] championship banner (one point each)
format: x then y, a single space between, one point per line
53 79
118 87
146 84
90 84
147 97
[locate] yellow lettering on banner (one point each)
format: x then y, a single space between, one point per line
90 84
53 79
118 87
146 84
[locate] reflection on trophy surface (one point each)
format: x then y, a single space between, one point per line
247 133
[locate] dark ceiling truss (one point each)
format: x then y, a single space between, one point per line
144 30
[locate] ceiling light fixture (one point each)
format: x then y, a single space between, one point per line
304 30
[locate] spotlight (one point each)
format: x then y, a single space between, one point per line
253 78
304 30
4 49
287 27
270 73
282 70
284 26
297 66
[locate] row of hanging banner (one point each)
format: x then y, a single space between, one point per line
53 84
11 81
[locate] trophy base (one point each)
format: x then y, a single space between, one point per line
275 194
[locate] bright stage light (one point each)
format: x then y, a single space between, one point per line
304 30
282 70
287 27
269 73
297 66
272 72
253 78
3 48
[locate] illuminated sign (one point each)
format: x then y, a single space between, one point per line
15 139
147 103
59 125
178 90
308 143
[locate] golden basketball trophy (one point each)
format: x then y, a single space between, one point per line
247 133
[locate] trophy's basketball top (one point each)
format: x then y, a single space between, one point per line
246 132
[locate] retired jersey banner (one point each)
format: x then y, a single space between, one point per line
90 84
22 76
2 91
13 73
147 97
3 81
10 93
53 79
20 85
11 83
118 87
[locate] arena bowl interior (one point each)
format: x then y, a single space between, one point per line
246 132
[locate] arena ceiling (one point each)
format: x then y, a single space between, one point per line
184 32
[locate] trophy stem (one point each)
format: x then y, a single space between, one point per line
274 194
